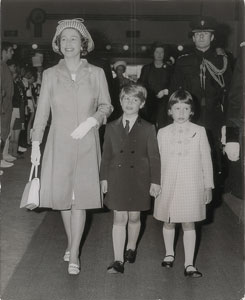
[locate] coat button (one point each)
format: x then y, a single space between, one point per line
179 153
121 151
131 167
179 142
132 151
119 166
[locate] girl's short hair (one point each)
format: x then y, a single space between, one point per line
134 89
181 96
84 42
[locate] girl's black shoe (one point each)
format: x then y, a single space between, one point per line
192 273
168 264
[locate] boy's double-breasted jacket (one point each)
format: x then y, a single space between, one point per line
71 165
186 170
130 163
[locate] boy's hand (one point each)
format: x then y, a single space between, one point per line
207 195
155 190
104 186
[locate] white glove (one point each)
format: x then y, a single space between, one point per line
232 150
84 128
35 153
162 93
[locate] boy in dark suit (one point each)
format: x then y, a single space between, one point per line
130 173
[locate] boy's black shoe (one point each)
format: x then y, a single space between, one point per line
130 256
116 267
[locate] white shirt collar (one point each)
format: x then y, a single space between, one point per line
132 120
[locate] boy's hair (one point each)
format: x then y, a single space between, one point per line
134 89
181 96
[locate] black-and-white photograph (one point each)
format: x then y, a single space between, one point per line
122 150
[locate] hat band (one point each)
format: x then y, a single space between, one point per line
203 30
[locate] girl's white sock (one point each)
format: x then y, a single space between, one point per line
189 240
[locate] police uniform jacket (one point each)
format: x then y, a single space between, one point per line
209 95
130 163
235 117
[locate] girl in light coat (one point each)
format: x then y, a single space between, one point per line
77 94
186 178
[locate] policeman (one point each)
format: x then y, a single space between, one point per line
233 133
206 75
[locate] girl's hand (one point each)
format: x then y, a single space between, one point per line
104 186
155 190
207 195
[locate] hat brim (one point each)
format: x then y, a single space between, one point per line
74 24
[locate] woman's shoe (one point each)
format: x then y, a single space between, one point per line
66 257
73 269
193 273
168 264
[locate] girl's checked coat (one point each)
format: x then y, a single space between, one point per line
186 170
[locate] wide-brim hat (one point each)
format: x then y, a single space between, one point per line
119 63
76 24
207 24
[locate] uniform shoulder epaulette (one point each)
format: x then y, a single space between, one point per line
184 55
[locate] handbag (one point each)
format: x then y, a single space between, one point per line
30 196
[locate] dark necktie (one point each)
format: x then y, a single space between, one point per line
127 127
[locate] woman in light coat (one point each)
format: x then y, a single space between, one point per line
77 94
186 178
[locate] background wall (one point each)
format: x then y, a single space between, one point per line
110 21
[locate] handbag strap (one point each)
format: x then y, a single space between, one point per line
31 173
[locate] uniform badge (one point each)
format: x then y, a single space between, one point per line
202 22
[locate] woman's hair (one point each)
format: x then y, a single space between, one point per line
134 89
181 96
84 41
156 45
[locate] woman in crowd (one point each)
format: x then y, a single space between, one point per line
118 83
155 77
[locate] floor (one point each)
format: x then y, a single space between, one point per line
33 243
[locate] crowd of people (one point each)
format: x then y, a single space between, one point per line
163 137
20 90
